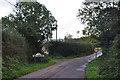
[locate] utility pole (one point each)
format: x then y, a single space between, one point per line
56 33
113 3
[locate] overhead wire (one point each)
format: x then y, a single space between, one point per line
12 5
58 27
66 29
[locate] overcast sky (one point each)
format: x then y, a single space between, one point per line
64 11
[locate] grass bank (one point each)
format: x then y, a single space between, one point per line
92 70
22 70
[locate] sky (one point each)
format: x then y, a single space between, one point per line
64 11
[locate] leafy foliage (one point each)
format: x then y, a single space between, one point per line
14 45
89 39
113 57
70 49
102 19
33 21
17 69
23 33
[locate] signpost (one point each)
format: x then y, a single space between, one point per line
96 50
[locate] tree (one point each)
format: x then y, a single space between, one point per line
33 21
68 36
88 39
105 21
78 33
101 19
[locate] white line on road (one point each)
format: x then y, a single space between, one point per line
80 69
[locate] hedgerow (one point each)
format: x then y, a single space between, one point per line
70 48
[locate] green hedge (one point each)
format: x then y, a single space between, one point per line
110 66
69 48
106 66
14 45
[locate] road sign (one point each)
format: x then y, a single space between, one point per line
43 48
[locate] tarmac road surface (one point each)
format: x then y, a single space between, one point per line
73 68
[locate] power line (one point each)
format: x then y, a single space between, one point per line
66 29
10 3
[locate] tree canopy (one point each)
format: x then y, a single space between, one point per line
33 20
102 20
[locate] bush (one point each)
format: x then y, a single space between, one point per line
69 48
110 67
16 69
14 44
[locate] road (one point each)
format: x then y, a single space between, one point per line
73 68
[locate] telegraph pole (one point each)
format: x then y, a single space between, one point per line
113 3
56 33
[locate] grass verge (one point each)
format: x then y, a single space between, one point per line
22 70
92 70
17 70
